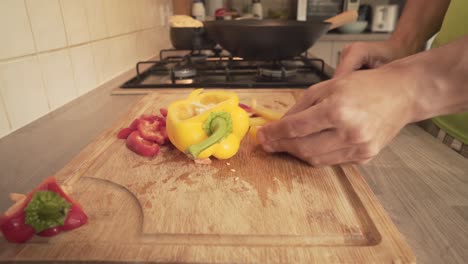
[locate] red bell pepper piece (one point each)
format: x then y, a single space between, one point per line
124 133
139 145
149 130
163 112
47 210
247 108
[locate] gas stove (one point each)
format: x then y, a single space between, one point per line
217 69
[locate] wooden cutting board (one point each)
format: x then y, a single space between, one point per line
255 207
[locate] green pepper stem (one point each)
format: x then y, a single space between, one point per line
50 210
220 128
45 210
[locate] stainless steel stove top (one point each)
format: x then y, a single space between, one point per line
215 69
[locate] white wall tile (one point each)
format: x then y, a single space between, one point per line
153 13
105 64
58 78
16 33
169 11
114 15
76 23
155 40
120 16
143 44
164 11
130 16
83 68
161 39
96 19
144 14
5 127
47 24
128 45
25 99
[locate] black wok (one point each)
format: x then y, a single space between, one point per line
272 39
190 38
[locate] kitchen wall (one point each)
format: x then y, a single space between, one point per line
53 51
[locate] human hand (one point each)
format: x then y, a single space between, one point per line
348 119
368 54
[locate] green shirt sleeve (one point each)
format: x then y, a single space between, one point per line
453 27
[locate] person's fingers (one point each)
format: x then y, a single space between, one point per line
352 58
341 156
313 119
310 146
353 154
310 97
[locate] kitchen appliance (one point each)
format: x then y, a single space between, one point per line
272 39
216 68
384 18
190 38
189 66
198 10
257 9
322 9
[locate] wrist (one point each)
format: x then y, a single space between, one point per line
405 46
413 87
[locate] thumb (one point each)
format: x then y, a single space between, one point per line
351 60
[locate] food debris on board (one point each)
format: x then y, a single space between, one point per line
206 161
45 211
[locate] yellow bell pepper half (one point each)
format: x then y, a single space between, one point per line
207 124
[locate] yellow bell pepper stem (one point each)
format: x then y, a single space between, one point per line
217 126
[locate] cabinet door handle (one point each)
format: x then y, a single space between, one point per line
338 59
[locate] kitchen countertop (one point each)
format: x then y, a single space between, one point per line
422 184
368 36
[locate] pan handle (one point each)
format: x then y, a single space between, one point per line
342 18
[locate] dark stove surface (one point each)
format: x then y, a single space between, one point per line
212 69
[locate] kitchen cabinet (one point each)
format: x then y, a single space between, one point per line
330 47
338 47
329 51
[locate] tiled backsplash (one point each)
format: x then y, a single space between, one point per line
53 51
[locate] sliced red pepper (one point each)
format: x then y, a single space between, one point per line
149 130
134 125
165 137
124 133
162 121
247 108
141 146
163 111
39 213
147 117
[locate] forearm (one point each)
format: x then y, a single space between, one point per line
420 20
436 80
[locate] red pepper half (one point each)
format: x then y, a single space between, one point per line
47 210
